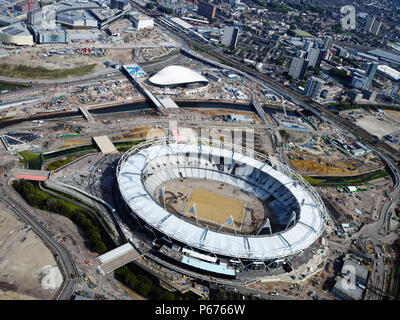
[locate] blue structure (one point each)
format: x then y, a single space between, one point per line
212 267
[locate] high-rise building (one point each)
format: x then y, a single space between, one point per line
370 74
315 56
118 4
314 87
298 68
308 45
230 36
369 23
207 10
328 42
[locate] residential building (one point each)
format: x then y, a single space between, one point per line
298 68
314 87
315 56
206 10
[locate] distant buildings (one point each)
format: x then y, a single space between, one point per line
372 25
370 74
314 87
25 6
118 4
364 80
298 68
315 57
230 36
206 10
327 45
376 27
329 94
369 23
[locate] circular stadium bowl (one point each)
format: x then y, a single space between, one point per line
299 213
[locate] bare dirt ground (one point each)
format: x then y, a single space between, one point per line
67 233
22 257
251 219
322 167
142 45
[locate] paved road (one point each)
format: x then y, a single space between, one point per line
63 257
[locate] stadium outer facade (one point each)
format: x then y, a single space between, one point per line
297 205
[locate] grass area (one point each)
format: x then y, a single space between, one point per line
346 181
12 86
132 275
22 71
66 195
32 160
53 165
70 151
302 33
126 145
37 198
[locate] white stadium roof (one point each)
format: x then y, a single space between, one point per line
135 192
176 75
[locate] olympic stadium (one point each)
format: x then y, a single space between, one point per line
235 207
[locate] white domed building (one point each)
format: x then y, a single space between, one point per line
178 76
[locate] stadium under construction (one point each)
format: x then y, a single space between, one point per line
238 211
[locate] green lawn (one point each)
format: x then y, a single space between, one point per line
12 86
32 160
302 33
53 165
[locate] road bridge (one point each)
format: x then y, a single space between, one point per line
34 175
259 109
86 113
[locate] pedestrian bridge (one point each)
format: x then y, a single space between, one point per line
117 257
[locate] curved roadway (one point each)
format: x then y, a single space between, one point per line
62 255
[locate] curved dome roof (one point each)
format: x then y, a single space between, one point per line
176 75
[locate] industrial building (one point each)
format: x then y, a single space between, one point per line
230 36
77 19
56 35
25 6
141 21
34 17
16 34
